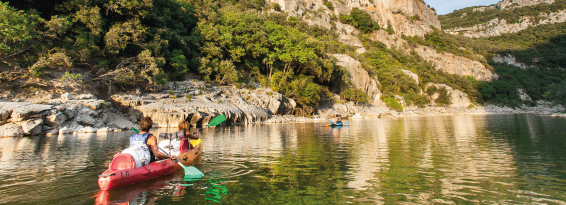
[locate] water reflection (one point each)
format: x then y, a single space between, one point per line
445 159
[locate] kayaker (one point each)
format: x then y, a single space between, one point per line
336 118
184 125
144 138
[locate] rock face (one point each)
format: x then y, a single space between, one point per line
30 111
412 75
359 77
509 60
394 11
199 103
458 98
398 13
348 36
11 130
523 95
443 61
497 27
512 4
33 127
60 116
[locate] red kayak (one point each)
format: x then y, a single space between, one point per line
117 176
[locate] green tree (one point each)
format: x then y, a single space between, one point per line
17 28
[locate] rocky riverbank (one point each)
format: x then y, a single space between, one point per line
197 103
69 114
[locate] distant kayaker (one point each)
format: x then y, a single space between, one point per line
144 138
337 119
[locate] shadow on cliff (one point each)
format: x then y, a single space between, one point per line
546 54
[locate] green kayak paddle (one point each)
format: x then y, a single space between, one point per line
214 122
191 173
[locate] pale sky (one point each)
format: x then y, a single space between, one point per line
448 6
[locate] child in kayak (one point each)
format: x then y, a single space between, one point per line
144 138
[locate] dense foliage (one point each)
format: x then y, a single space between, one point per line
360 20
467 17
539 84
127 42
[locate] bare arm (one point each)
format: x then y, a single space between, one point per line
196 136
152 143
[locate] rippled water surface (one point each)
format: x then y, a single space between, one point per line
464 159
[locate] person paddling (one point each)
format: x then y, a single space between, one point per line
148 140
337 118
184 126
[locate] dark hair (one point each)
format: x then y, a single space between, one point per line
146 123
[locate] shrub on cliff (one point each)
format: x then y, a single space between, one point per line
356 95
392 103
329 5
360 20
444 98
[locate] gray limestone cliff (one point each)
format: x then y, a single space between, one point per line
359 77
443 61
497 26
395 11
512 4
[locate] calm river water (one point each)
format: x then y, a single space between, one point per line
463 159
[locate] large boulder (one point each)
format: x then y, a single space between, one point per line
67 97
4 115
85 120
412 75
117 121
458 99
86 96
56 120
32 127
9 106
70 127
92 104
30 111
11 130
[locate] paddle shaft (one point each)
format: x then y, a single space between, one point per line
214 122
200 130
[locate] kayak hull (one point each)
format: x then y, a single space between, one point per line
336 124
111 179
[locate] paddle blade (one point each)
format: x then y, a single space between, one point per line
135 130
195 142
191 173
217 120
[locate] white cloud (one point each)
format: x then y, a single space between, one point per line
448 6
